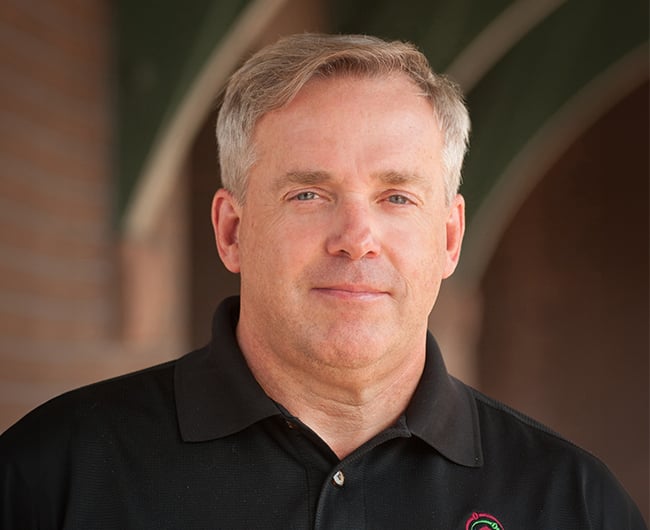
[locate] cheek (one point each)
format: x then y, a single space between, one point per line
275 248
419 254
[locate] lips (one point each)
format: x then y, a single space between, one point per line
351 291
354 288
352 280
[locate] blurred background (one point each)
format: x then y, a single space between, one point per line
108 166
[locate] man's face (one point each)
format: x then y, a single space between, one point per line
345 234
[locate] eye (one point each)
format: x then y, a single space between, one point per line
398 199
305 196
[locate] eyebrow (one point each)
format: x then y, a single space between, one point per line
399 178
308 178
301 178
313 178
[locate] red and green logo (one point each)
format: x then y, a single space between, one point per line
483 521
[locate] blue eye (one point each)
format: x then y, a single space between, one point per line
398 199
305 196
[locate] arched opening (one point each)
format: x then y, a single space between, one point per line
564 332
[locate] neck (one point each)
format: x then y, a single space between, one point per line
344 407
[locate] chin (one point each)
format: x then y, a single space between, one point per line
353 348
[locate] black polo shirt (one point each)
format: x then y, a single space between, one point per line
196 444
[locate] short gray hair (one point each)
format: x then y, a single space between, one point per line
272 77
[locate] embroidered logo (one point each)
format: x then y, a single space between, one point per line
483 521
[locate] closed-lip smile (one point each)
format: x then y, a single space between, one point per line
351 291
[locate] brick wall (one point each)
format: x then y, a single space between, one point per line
61 322
56 269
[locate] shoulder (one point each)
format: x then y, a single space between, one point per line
508 436
86 414
112 396
528 455
76 438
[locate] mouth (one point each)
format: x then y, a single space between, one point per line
351 292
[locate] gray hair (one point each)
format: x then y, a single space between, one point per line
273 76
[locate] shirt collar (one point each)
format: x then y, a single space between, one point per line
217 395
443 412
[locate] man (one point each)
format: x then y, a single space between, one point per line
322 401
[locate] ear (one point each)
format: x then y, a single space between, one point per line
455 229
226 216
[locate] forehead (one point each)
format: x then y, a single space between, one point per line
354 100
348 127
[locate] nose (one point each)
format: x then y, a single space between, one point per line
352 232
